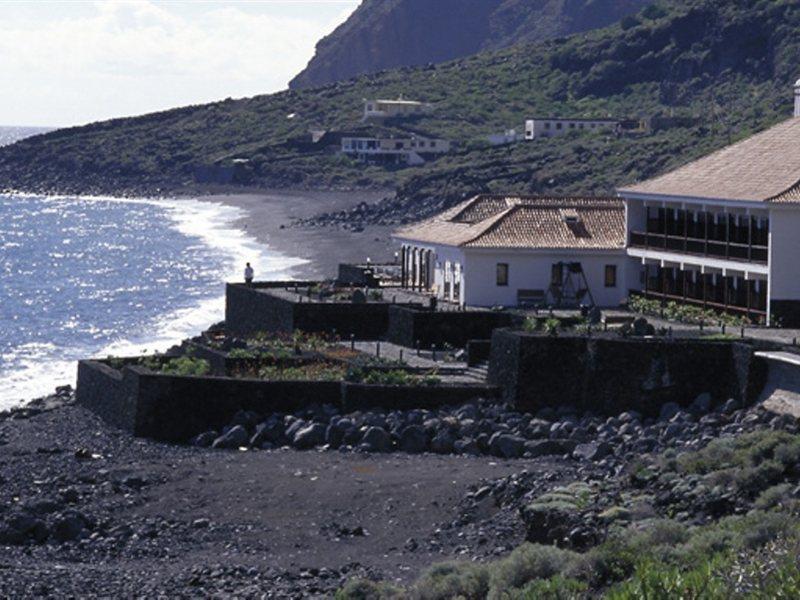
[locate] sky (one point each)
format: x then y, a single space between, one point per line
74 62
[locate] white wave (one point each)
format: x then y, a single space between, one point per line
37 370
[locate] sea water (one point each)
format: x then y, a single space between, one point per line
92 277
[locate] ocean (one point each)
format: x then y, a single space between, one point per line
9 135
92 277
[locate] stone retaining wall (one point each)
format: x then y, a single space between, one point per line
175 408
609 375
408 326
248 311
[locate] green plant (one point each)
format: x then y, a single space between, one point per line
552 326
530 324
527 563
185 366
449 580
363 589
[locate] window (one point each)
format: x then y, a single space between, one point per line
547 125
611 276
559 125
502 274
557 274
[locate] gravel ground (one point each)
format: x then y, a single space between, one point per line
105 514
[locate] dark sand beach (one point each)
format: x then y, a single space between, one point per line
270 218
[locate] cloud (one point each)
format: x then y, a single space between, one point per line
116 58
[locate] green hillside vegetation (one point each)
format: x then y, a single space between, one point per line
730 63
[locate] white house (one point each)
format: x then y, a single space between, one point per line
512 250
413 150
385 109
554 127
724 231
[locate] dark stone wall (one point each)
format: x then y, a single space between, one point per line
478 351
356 275
407 326
249 311
786 313
367 321
609 375
361 396
173 408
108 393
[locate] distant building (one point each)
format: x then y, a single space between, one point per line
413 150
515 250
387 109
553 127
507 137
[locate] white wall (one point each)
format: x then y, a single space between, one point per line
784 259
531 270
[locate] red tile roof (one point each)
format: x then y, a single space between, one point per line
536 222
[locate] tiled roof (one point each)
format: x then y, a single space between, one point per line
536 222
763 168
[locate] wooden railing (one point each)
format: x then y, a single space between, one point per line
700 247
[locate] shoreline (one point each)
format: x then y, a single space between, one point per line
217 227
269 219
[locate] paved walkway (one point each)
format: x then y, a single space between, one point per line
455 371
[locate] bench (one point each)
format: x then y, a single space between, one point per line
530 298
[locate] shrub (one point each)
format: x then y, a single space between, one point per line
526 563
530 324
657 581
363 589
555 588
552 326
185 366
774 496
754 480
609 562
453 580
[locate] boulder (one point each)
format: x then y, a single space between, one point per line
413 439
506 445
467 446
443 442
549 447
271 432
669 410
204 440
592 451
701 405
376 439
69 526
309 436
235 437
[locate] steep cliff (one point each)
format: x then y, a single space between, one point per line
386 34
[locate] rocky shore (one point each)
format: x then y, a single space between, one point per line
302 505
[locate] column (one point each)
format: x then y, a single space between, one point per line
403 266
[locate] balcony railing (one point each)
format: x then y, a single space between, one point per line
700 247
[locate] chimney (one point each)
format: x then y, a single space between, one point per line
797 98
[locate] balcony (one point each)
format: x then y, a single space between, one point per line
700 247
724 294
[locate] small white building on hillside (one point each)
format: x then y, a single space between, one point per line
387 109
413 150
512 250
553 127
723 231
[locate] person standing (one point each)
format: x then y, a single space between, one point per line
248 274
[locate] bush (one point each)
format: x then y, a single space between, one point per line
526 563
363 589
555 588
184 366
453 580
657 581
774 496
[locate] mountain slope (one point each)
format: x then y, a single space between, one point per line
730 64
387 34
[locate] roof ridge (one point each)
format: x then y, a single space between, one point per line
494 221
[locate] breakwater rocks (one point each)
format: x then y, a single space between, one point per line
478 428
